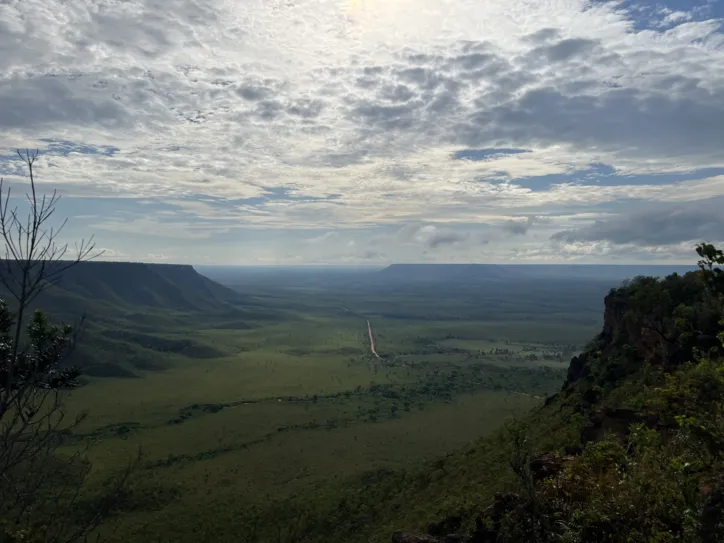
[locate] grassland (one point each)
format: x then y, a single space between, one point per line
233 414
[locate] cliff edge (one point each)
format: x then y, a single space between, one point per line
632 447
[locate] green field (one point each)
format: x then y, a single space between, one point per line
234 415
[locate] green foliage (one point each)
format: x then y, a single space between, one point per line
38 365
249 431
711 257
650 484
37 485
294 433
693 398
659 481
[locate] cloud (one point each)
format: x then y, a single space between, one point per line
440 239
156 257
327 237
566 49
288 116
519 228
431 236
659 225
373 255
106 253
676 17
43 99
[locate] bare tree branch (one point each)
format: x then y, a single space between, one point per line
40 488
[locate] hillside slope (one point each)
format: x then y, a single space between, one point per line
630 449
138 316
100 288
163 286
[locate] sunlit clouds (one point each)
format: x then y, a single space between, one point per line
233 132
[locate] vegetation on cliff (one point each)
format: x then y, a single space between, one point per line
647 400
630 449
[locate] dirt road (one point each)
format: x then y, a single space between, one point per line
372 340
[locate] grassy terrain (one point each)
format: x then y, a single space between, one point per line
236 413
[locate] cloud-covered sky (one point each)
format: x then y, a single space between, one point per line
372 131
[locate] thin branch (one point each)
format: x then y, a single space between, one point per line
33 423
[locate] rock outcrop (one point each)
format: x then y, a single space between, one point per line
650 365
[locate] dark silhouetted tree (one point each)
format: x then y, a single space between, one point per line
41 496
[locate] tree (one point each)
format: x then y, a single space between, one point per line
40 487
711 259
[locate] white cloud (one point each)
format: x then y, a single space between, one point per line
346 114
662 224
106 253
673 17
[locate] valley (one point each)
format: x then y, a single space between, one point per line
280 389
361 271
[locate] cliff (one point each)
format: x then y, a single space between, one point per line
167 286
649 323
140 310
632 447
102 288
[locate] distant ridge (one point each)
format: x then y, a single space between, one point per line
480 272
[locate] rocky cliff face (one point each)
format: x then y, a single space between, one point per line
656 370
616 332
616 306
648 321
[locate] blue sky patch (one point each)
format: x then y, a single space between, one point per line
605 176
277 194
64 148
487 154
660 16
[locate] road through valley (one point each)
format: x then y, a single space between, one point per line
372 339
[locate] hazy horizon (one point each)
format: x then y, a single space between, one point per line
382 267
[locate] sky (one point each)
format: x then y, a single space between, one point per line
368 132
